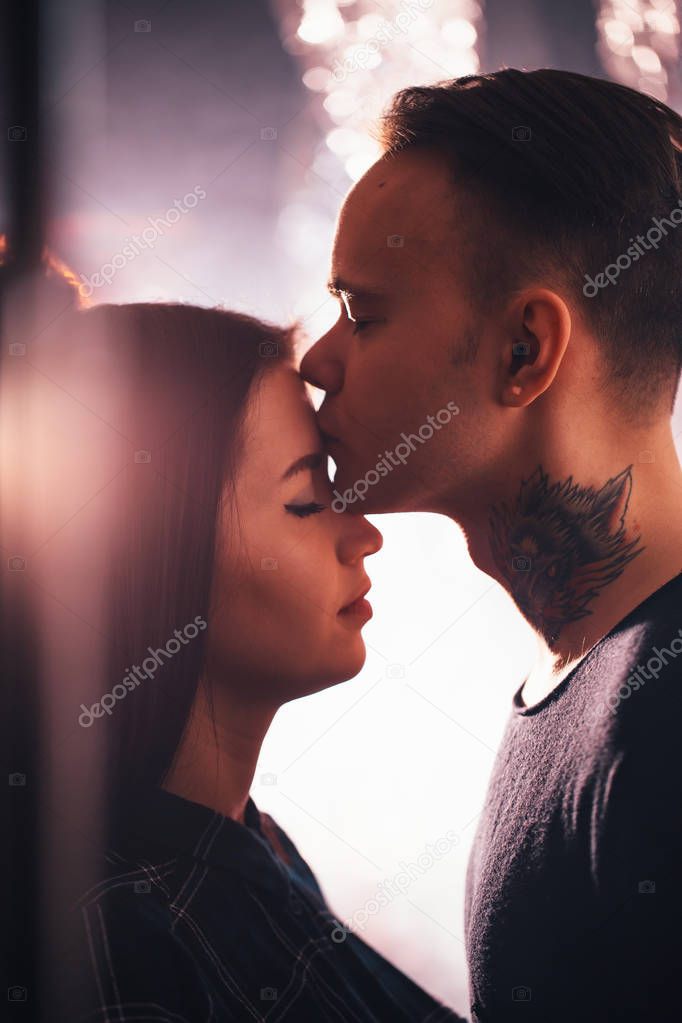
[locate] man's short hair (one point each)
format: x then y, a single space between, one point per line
575 180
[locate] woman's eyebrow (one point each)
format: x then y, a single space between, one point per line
312 461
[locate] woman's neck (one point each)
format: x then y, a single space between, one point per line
217 758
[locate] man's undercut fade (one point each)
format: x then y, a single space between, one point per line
574 180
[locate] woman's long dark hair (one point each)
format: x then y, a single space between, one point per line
185 375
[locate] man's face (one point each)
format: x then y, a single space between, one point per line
404 403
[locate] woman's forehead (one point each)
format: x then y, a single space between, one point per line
281 424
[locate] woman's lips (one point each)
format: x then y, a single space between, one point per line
360 609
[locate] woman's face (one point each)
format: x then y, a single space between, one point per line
288 567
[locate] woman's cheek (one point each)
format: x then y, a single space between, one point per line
312 583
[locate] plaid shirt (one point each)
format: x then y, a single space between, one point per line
203 919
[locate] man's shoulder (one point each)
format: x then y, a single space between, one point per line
641 655
645 656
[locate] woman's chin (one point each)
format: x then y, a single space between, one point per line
352 670
353 658
344 669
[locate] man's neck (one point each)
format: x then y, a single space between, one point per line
551 667
577 554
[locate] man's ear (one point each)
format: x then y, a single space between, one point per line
537 328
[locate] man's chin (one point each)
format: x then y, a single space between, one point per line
353 494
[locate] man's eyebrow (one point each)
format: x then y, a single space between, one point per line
338 287
312 461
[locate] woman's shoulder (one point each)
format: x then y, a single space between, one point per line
122 876
131 961
289 854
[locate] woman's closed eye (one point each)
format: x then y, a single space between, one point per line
315 496
303 510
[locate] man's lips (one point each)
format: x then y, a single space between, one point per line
326 426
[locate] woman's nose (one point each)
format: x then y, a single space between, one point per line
359 539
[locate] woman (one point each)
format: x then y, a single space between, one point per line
234 588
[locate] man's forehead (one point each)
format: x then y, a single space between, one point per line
413 188
402 202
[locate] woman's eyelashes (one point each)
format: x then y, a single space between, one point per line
302 511
320 487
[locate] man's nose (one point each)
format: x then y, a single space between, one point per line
321 369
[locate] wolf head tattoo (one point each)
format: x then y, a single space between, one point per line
561 544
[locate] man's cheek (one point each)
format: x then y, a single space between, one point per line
371 403
370 430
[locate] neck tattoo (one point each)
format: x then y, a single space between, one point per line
560 544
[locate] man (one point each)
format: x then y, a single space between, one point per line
507 353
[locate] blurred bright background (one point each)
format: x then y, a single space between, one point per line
204 149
